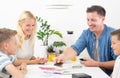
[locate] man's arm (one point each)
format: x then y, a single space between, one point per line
16 73
107 65
91 63
111 76
67 54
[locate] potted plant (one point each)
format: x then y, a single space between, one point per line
45 31
58 45
43 34
51 53
51 49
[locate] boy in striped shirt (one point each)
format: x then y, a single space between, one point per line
8 48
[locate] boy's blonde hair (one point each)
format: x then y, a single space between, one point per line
25 15
6 34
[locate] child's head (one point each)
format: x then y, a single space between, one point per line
8 41
116 41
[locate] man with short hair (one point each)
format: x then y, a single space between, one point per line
96 39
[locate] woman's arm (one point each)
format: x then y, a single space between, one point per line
33 58
33 61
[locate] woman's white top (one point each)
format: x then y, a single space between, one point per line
116 70
27 50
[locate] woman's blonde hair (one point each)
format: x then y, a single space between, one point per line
21 36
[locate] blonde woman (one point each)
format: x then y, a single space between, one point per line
26 34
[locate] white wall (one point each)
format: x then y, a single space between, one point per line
73 18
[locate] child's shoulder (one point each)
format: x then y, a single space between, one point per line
2 54
5 58
118 57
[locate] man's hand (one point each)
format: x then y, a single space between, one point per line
60 59
89 62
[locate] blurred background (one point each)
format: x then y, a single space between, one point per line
62 15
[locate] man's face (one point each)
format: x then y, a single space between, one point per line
95 21
115 44
12 46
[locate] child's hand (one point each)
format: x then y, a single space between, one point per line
22 68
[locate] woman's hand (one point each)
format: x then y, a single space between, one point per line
39 60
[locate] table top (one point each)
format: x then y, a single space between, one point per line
47 70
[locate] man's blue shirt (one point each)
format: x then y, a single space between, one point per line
87 40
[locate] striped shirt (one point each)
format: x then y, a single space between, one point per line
4 61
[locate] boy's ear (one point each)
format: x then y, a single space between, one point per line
5 45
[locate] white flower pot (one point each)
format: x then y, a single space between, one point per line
40 51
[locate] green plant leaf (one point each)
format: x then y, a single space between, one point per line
50 48
45 31
59 44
